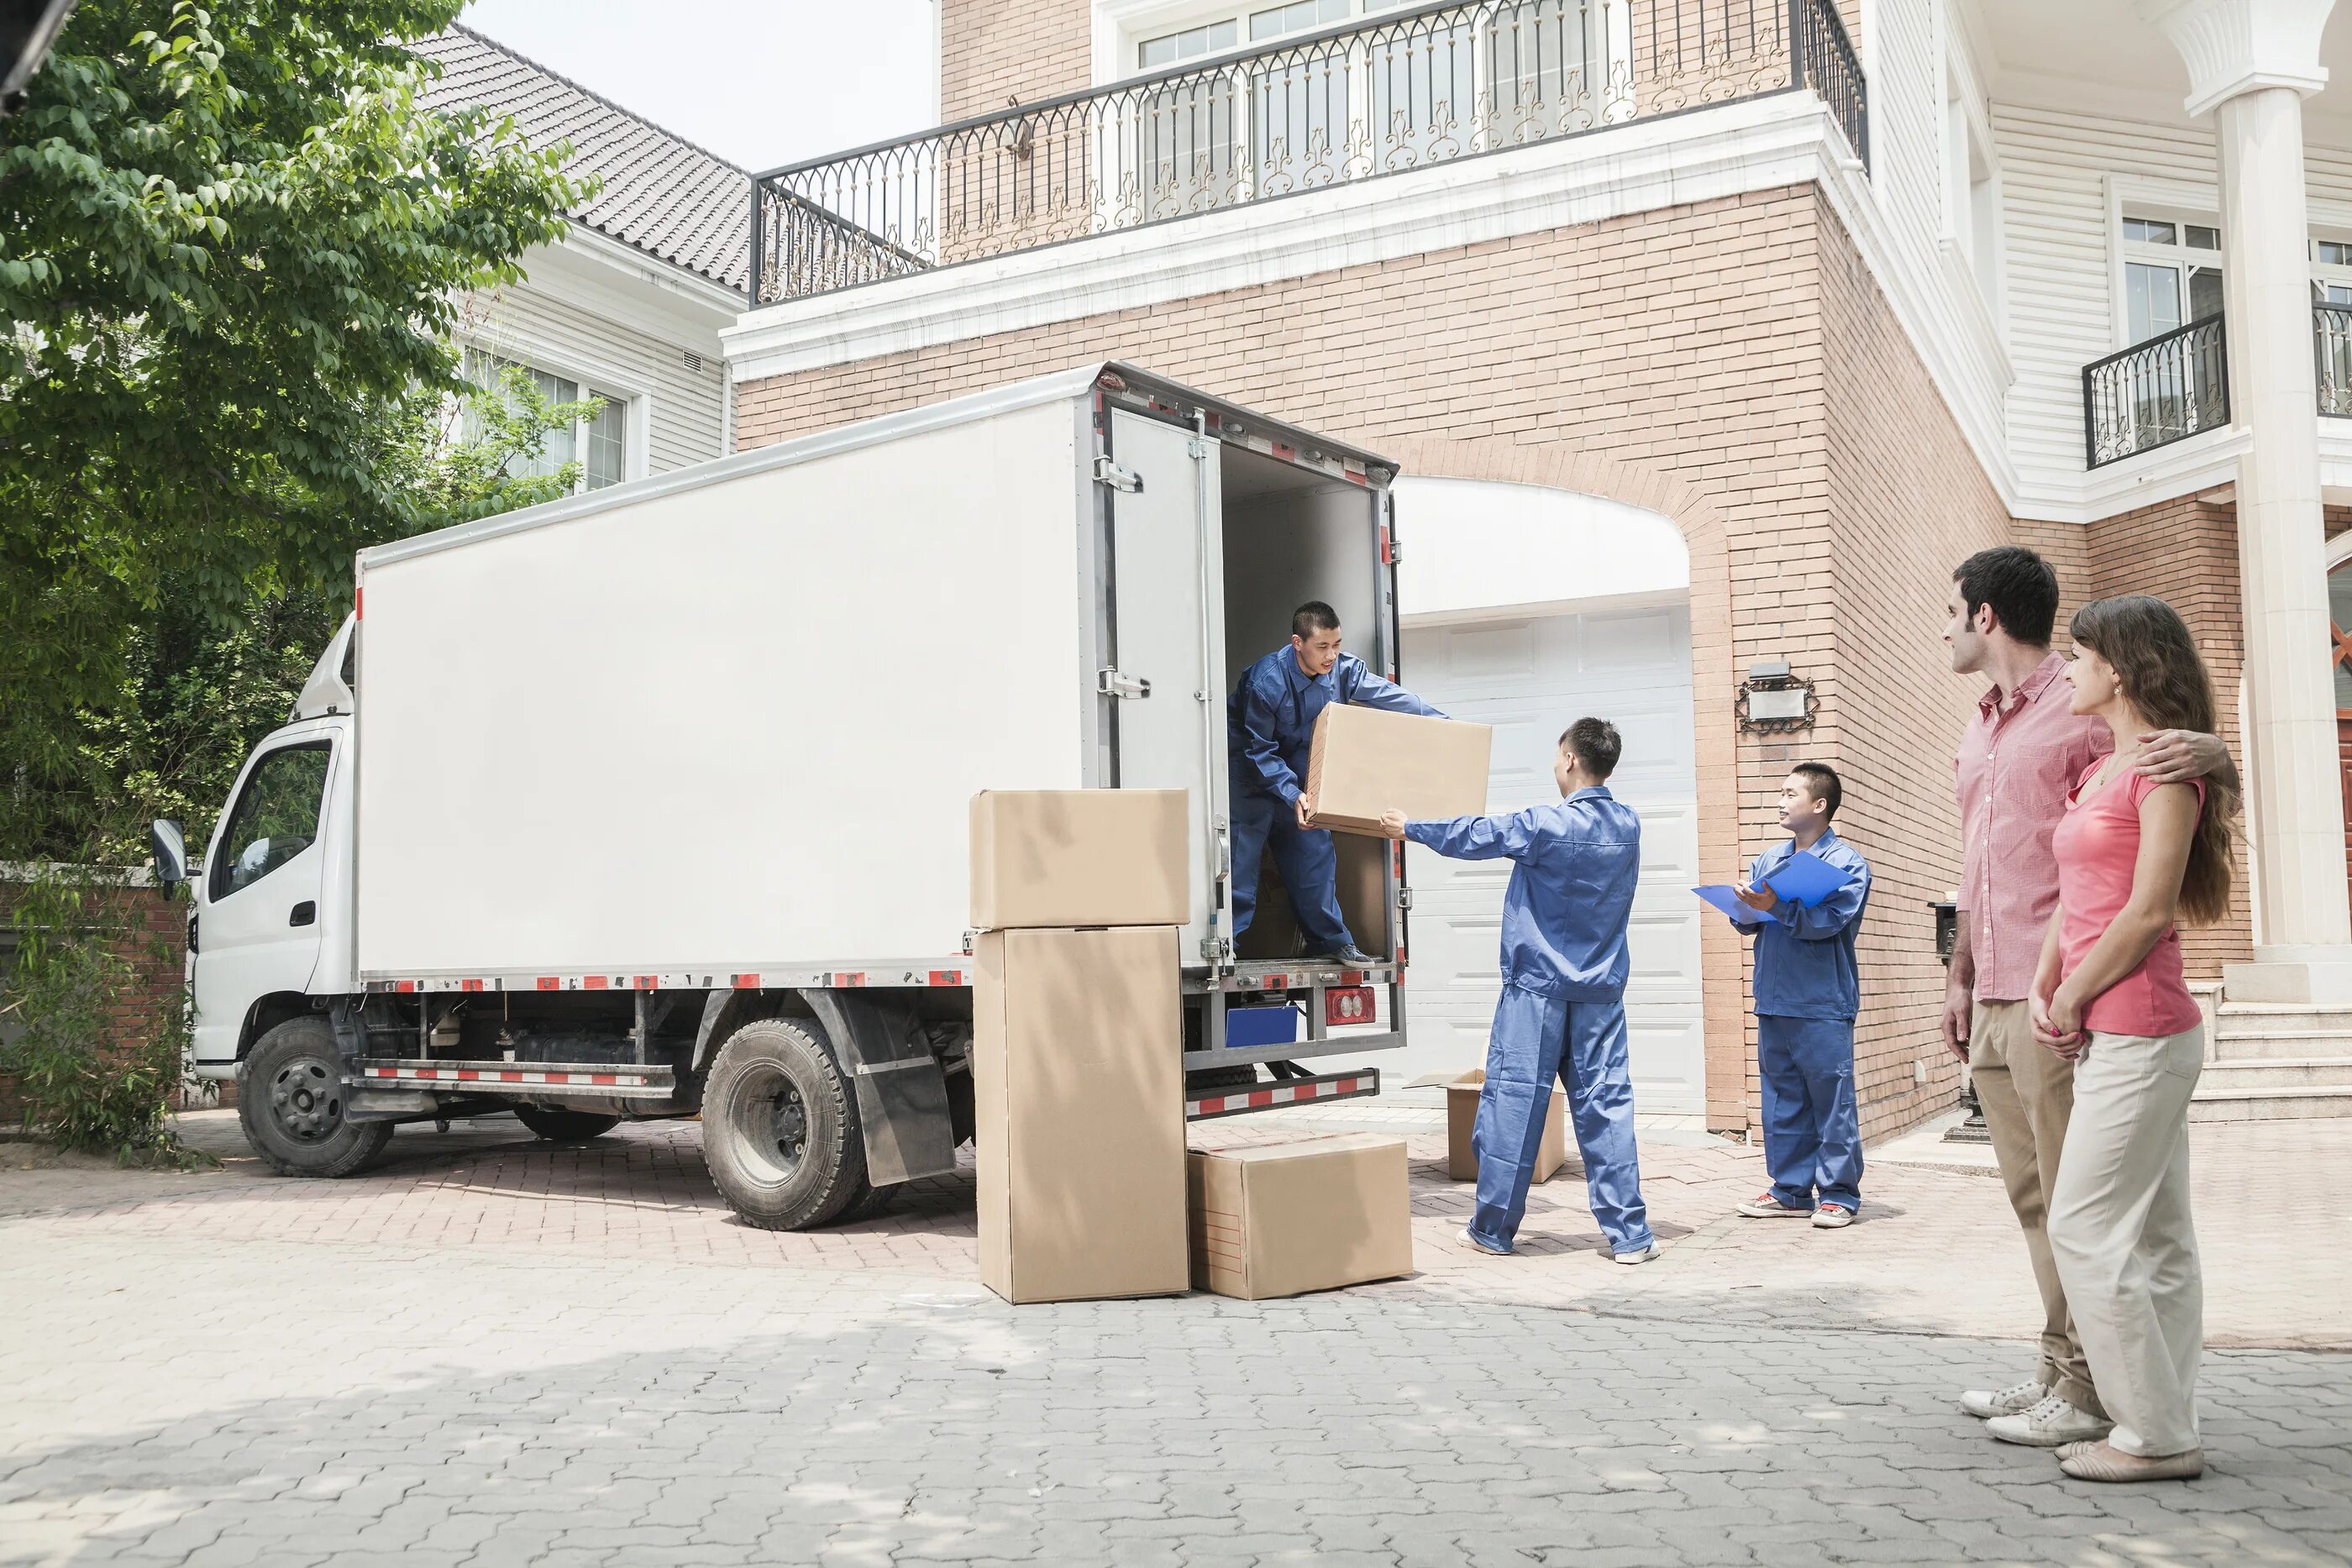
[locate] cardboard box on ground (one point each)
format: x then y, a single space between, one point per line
1363 761
1078 1083
1043 858
1462 1116
1280 1219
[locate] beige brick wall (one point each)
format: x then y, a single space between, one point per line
1730 364
994 50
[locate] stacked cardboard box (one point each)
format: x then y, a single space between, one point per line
1078 1041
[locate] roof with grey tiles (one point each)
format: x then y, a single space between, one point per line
661 193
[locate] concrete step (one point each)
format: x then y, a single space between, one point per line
2223 1079
2271 1105
2301 1045
2263 1018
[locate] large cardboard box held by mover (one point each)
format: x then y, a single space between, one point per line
1462 1115
1278 1219
1059 858
1364 761
1079 1084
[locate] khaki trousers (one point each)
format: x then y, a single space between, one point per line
2121 1232
2028 1095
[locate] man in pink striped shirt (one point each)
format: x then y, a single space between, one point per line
2022 754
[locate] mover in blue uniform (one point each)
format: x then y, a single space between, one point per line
1807 992
1562 1012
1270 726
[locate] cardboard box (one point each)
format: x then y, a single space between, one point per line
1059 858
1462 1113
1078 1087
1279 1220
1364 761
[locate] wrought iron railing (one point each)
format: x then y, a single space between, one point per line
1421 87
2331 348
2154 394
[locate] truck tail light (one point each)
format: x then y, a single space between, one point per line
1346 1004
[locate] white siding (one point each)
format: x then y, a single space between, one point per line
1907 118
2056 170
534 323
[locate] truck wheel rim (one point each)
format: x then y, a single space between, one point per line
306 1099
772 1121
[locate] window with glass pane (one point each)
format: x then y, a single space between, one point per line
2152 300
608 461
1189 44
2148 231
1274 22
2335 253
276 818
2199 238
599 444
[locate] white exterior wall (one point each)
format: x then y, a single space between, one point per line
677 415
2063 177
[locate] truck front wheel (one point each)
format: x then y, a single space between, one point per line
291 1101
780 1128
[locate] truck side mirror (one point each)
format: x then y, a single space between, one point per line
170 852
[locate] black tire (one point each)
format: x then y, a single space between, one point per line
565 1126
869 1201
289 1101
780 1128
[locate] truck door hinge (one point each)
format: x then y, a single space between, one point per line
1196 449
1127 480
1215 947
1119 683
1405 898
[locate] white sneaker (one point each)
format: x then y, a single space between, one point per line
1472 1242
1833 1217
1765 1205
2015 1400
1639 1255
2052 1423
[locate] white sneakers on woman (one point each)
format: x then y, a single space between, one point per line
2015 1400
2049 1424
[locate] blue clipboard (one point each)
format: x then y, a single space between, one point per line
1721 896
1806 879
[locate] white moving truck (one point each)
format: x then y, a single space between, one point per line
653 802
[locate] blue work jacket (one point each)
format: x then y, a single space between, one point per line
1270 723
1804 956
1571 893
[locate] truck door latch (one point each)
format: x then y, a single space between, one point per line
1119 683
1127 480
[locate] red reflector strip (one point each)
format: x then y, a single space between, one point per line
854 977
1284 451
504 1075
403 985
645 982
551 983
744 982
947 976
470 984
595 983
1388 552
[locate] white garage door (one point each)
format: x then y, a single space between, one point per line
1530 678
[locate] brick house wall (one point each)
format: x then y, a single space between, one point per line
151 938
991 51
1733 361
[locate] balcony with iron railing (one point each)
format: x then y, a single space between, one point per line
1431 86
2175 386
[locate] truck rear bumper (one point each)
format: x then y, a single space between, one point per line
1294 1050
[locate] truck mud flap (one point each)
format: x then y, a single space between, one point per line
902 1096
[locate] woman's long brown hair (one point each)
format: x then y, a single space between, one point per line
2165 679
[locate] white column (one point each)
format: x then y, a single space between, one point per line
2251 64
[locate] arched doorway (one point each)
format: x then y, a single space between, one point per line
1524 607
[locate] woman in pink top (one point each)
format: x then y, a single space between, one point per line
2109 998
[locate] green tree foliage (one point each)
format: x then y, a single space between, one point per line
230 237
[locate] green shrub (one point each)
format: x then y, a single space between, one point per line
82 1083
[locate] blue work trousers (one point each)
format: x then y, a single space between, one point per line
1308 864
1539 1038
1813 1134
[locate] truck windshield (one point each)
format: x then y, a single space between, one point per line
274 820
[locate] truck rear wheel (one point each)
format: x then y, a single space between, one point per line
565 1126
290 1102
780 1128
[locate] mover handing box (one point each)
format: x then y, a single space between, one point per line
1365 762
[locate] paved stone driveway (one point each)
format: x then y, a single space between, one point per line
490 1352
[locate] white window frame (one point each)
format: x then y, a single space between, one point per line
2171 202
603 380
